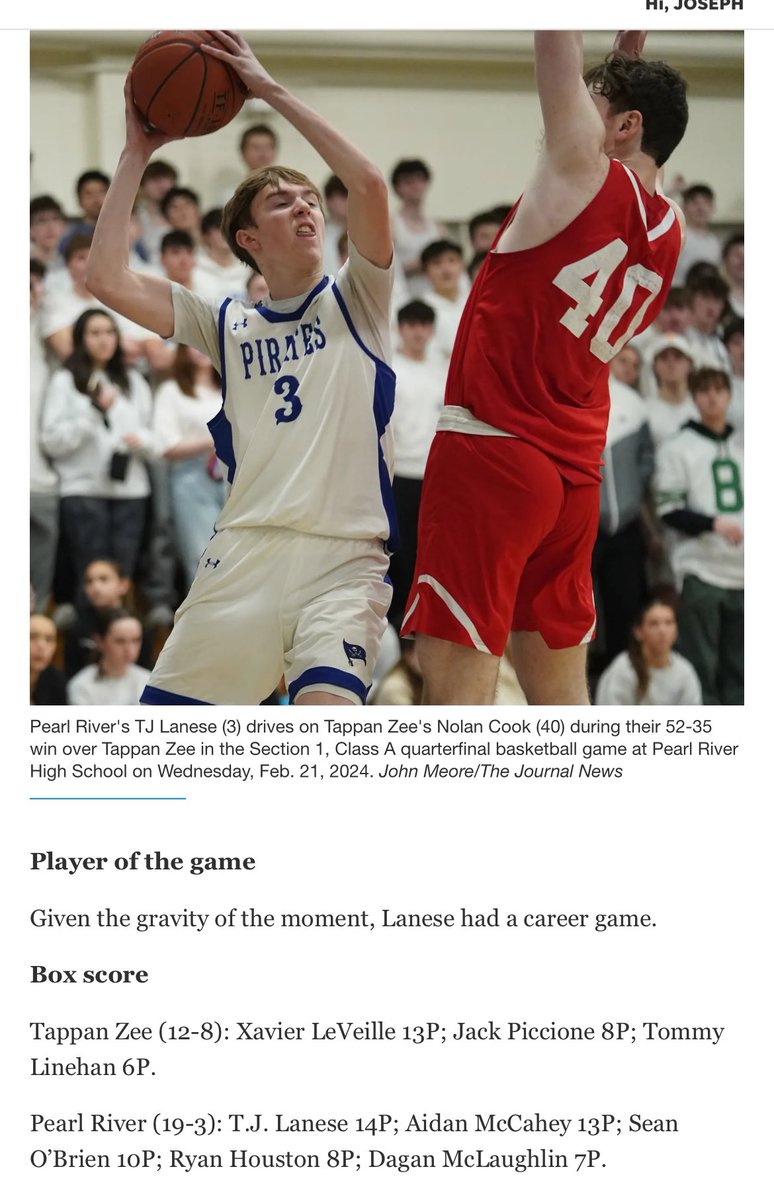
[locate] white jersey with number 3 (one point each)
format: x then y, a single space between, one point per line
304 430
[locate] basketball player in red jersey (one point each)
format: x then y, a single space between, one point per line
511 493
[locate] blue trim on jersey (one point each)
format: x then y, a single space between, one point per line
342 679
219 425
223 437
154 695
271 315
222 344
384 403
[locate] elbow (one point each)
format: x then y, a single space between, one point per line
95 284
97 280
92 276
372 186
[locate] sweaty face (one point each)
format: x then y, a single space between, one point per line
288 224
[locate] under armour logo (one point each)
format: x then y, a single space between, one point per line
237 324
353 652
212 562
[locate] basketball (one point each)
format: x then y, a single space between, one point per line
181 90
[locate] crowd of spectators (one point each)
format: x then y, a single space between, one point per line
672 512
125 487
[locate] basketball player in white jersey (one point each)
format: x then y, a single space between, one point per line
293 580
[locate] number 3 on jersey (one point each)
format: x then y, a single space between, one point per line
574 279
287 387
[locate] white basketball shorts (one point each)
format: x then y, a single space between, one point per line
270 602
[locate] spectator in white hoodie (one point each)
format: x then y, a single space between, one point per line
96 430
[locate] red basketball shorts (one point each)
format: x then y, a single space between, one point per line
504 544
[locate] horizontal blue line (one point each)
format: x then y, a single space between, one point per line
108 797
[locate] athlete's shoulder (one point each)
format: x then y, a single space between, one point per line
359 271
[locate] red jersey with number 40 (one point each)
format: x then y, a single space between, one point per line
541 325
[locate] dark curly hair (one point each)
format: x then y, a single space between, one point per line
653 89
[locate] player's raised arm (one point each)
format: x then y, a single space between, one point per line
368 219
142 298
574 130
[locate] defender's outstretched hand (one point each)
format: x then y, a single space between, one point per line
236 52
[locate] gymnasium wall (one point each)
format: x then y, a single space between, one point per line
463 101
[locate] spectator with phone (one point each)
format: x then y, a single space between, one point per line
96 431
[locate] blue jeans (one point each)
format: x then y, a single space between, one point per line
197 501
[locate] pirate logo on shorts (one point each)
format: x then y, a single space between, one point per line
353 652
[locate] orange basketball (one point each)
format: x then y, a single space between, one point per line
181 90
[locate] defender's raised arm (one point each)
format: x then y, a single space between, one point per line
573 126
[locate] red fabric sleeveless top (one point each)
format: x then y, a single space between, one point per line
541 325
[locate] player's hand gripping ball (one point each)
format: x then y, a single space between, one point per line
179 89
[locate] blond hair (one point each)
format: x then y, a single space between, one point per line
237 215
